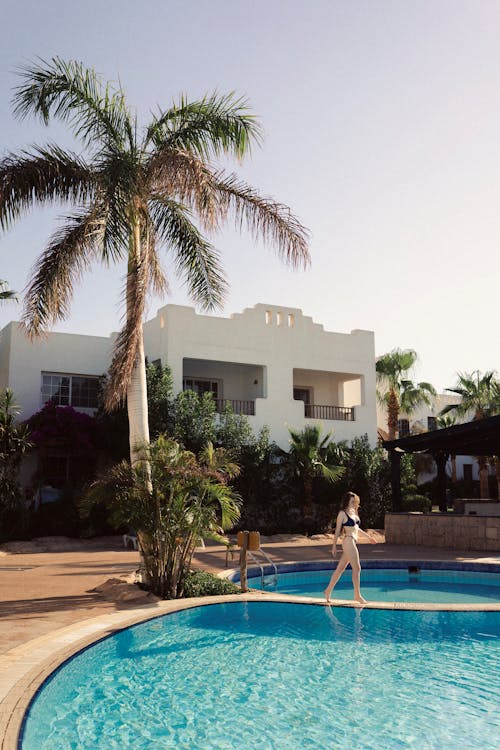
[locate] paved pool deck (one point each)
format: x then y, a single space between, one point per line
49 608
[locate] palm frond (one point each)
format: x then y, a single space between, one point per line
76 95
215 125
196 260
44 175
70 252
182 175
265 218
127 345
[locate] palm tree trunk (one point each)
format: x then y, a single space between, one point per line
137 408
392 414
137 394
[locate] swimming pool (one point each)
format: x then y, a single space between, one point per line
386 581
284 676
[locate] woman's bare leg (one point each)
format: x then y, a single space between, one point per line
341 566
353 557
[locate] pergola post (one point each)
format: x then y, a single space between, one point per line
396 479
441 459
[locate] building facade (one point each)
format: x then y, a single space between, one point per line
273 364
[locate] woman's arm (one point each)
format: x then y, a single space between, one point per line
338 531
370 538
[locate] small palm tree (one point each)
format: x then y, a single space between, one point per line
397 393
310 455
190 499
5 292
134 191
479 398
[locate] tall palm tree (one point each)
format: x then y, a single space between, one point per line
397 393
311 457
5 292
479 398
134 192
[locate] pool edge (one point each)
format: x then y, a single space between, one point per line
24 668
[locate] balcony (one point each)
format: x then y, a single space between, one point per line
237 405
327 411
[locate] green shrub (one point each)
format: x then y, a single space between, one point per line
416 503
202 583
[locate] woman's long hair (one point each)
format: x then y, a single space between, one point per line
346 499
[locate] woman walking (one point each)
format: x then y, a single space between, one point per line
348 524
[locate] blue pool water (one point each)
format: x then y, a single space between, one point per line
391 585
277 676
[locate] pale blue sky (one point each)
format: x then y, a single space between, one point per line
382 123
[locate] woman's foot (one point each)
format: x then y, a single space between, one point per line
327 594
360 599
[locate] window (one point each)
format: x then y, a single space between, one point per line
302 394
403 427
431 423
200 386
269 317
291 320
79 391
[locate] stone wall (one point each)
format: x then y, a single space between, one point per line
443 530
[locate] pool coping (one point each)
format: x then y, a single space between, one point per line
24 668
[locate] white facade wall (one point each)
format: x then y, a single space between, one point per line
62 353
282 346
258 355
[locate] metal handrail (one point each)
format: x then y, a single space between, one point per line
269 562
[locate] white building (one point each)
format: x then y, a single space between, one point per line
271 363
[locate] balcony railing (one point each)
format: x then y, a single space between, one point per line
238 407
319 411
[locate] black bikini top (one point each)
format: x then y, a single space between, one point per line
350 521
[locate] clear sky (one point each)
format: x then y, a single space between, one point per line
382 124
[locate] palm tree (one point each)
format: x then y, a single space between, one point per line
479 398
310 455
190 499
5 292
134 191
397 392
478 395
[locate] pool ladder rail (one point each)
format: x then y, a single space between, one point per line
263 583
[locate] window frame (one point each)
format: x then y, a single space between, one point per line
49 391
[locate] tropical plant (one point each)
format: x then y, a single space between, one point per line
183 500
203 583
14 443
134 191
194 419
309 454
234 431
5 292
367 473
479 395
397 393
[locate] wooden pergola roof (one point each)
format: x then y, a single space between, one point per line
478 438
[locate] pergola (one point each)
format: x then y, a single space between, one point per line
478 438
